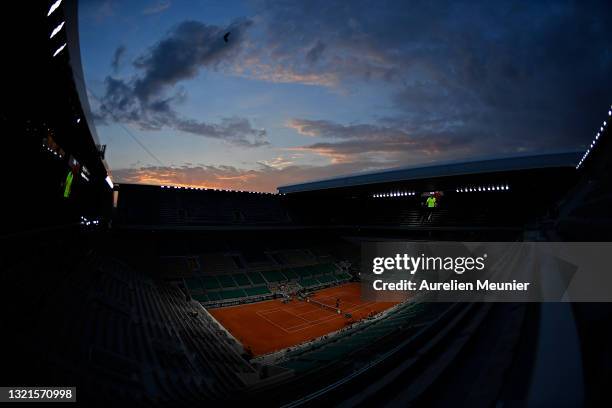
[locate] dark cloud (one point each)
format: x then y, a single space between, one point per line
120 104
144 100
189 47
329 129
236 130
117 57
392 144
524 76
315 52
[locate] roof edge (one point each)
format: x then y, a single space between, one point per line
443 169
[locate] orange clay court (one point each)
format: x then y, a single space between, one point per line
269 326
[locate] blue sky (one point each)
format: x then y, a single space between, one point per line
306 90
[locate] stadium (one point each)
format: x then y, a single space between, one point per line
178 295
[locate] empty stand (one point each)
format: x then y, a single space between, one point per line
264 275
125 334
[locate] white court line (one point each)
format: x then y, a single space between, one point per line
334 299
288 312
286 307
304 305
312 323
327 319
286 330
271 322
269 311
315 310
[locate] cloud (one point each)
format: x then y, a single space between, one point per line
117 56
120 104
264 178
188 48
329 129
277 163
315 52
448 81
233 129
378 143
255 68
323 39
157 7
144 100
532 74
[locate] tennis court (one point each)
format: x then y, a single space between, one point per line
269 326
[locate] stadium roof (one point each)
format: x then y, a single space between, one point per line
567 159
73 42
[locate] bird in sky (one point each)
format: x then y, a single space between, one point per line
226 36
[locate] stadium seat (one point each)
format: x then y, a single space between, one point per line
201 298
303 271
309 282
193 284
343 276
274 276
210 282
226 281
241 279
257 290
213 295
325 279
290 273
232 294
256 278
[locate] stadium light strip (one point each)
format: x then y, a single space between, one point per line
594 141
476 189
60 49
56 30
54 7
394 194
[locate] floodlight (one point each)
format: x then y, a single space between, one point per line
54 7
57 29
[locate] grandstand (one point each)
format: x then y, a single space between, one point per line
176 206
496 195
225 279
141 338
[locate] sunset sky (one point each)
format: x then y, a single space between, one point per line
312 89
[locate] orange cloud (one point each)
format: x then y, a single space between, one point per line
254 68
265 179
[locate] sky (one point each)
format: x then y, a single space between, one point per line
304 90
